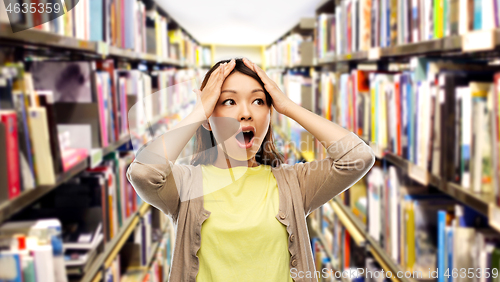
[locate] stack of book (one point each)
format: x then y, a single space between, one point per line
358 25
441 116
32 251
123 24
59 112
146 256
285 52
297 85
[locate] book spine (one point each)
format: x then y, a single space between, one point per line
495 139
438 18
124 106
72 157
397 94
466 136
449 253
410 110
47 102
431 130
39 132
97 23
478 15
102 112
441 244
12 153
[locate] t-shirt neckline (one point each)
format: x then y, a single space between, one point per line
237 169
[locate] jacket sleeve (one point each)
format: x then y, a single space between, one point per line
347 161
158 183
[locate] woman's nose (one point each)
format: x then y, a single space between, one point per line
245 113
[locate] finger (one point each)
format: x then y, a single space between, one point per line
221 74
229 67
263 75
248 63
213 77
213 81
258 69
255 68
197 91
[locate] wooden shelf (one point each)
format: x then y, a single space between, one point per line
132 55
112 147
373 246
290 67
483 203
113 247
28 197
479 202
356 226
450 44
38 37
35 38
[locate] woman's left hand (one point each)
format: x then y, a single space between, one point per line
281 102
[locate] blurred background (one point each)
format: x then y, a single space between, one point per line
416 80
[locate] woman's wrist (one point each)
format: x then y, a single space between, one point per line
292 109
199 113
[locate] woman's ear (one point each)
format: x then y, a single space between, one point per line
206 125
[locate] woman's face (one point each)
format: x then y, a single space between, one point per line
243 101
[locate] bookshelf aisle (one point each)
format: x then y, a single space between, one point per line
416 80
67 210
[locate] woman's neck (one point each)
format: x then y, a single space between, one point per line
224 161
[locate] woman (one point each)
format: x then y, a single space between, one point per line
239 211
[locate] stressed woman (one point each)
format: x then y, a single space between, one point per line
238 209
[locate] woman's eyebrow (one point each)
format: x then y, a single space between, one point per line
234 91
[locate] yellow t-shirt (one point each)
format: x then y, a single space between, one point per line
242 240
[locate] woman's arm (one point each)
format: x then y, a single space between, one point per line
347 161
348 157
170 144
153 174
327 132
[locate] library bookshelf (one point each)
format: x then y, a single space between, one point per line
342 50
46 45
356 228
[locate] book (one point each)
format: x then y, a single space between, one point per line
44 168
46 100
10 164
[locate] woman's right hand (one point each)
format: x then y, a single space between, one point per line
211 92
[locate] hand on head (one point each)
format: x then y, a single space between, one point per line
280 100
211 92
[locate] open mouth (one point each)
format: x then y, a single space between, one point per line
245 137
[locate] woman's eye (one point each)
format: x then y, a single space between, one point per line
228 102
259 102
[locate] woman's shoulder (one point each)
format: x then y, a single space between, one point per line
282 167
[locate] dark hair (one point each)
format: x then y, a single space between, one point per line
267 153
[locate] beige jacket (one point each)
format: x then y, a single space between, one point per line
303 187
